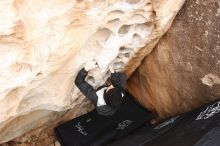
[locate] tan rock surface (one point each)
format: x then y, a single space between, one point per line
183 71
45 43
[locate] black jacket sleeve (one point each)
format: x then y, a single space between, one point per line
83 86
119 80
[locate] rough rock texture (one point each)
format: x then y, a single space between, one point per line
45 43
183 71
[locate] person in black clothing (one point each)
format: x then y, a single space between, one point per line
106 98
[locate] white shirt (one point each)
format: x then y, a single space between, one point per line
100 94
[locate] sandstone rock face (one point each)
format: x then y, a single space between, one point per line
45 43
183 71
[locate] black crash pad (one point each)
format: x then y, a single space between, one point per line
200 127
93 129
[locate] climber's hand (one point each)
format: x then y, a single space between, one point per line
90 65
111 69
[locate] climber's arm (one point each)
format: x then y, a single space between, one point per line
80 82
123 80
119 79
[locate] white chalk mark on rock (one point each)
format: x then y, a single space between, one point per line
210 79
